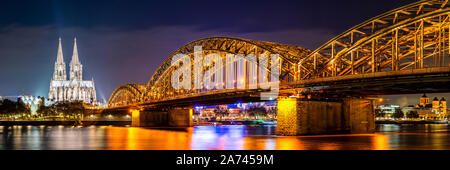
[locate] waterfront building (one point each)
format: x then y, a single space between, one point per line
443 106
408 109
74 88
33 102
235 111
436 110
424 101
387 111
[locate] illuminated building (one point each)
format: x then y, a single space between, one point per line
33 102
388 110
443 106
439 106
437 110
74 89
424 101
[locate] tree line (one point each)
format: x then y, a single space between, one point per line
12 108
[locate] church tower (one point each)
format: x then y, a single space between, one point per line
424 101
60 65
76 69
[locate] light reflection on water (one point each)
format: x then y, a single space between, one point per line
395 137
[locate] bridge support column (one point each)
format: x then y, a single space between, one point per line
180 117
299 117
361 115
148 118
176 117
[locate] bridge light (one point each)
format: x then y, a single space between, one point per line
296 96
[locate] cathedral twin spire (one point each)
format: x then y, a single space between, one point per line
76 68
60 65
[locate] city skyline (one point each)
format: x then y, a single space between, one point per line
121 47
250 77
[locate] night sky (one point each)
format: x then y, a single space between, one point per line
125 41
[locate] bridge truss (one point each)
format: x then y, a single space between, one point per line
159 87
415 36
412 37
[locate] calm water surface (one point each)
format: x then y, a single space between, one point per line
388 137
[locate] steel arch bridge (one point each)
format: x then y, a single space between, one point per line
413 39
126 94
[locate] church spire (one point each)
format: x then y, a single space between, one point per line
76 69
60 57
60 66
75 59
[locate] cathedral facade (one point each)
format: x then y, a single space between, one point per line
74 88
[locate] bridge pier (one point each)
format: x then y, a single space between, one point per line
174 117
300 117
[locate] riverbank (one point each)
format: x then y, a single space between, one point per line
64 123
413 122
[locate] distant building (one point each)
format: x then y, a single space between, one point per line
74 89
387 111
408 109
33 102
436 110
424 102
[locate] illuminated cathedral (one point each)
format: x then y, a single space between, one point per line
74 88
437 109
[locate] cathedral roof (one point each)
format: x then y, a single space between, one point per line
443 99
424 95
435 99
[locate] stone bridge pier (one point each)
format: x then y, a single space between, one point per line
306 117
172 117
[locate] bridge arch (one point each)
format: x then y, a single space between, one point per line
126 94
159 85
414 36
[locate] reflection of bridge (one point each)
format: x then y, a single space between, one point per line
403 51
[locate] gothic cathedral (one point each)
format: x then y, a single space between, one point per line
74 89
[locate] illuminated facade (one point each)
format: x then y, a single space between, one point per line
74 89
424 101
437 109
389 110
33 102
439 106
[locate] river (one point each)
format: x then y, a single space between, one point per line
387 137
